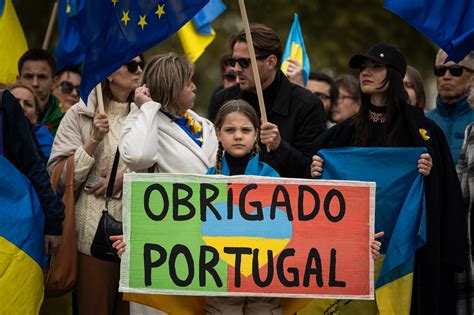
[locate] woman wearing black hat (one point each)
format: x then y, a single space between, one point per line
386 120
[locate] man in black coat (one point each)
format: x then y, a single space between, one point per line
19 149
295 116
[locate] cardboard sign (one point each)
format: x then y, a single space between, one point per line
247 235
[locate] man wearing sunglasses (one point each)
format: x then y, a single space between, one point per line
68 81
295 116
453 110
36 69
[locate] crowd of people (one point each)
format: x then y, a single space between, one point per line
148 125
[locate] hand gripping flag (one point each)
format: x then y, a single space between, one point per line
114 32
294 49
12 42
197 34
449 24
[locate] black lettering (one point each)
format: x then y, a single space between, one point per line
256 272
177 187
317 203
281 269
230 204
238 251
332 272
181 249
208 266
164 197
148 264
206 202
258 216
313 255
327 204
285 203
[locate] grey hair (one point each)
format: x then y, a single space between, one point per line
469 57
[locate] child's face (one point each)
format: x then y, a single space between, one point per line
237 135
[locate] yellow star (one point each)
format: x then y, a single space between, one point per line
160 11
68 8
142 22
115 2
125 17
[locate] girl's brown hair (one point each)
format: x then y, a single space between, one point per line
235 106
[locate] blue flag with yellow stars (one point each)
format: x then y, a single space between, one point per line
113 32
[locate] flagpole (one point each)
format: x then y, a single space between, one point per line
256 75
100 99
49 31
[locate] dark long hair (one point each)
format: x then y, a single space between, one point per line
394 99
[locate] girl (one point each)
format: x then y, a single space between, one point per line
386 120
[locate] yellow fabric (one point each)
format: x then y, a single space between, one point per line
21 281
296 54
195 126
194 43
12 43
395 297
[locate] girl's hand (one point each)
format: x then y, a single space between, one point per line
316 166
425 163
142 95
119 244
375 245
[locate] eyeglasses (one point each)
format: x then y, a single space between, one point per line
230 76
133 65
67 87
455 71
244 63
322 96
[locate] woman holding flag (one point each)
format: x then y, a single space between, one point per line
386 120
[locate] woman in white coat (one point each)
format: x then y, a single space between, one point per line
161 130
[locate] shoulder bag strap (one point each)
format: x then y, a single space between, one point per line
113 173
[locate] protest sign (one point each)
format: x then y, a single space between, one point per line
247 235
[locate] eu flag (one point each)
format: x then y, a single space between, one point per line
69 50
449 24
116 31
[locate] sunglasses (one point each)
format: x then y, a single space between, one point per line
133 65
230 76
67 87
455 71
244 63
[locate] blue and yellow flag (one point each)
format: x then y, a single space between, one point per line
69 50
21 243
448 23
400 212
294 49
12 42
197 34
114 32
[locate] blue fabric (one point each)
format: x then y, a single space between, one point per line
181 122
21 215
448 23
69 50
254 167
202 20
45 139
453 120
110 39
2 6
400 209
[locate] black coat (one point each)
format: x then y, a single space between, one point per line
298 114
20 150
446 248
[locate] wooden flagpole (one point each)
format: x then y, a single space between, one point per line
256 75
49 31
100 99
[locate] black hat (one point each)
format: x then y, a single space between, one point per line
384 54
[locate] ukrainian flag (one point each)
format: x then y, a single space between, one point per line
197 34
400 212
12 42
295 50
21 243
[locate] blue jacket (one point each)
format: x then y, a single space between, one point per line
453 120
44 138
254 167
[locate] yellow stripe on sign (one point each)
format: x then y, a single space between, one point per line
296 54
264 244
21 281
